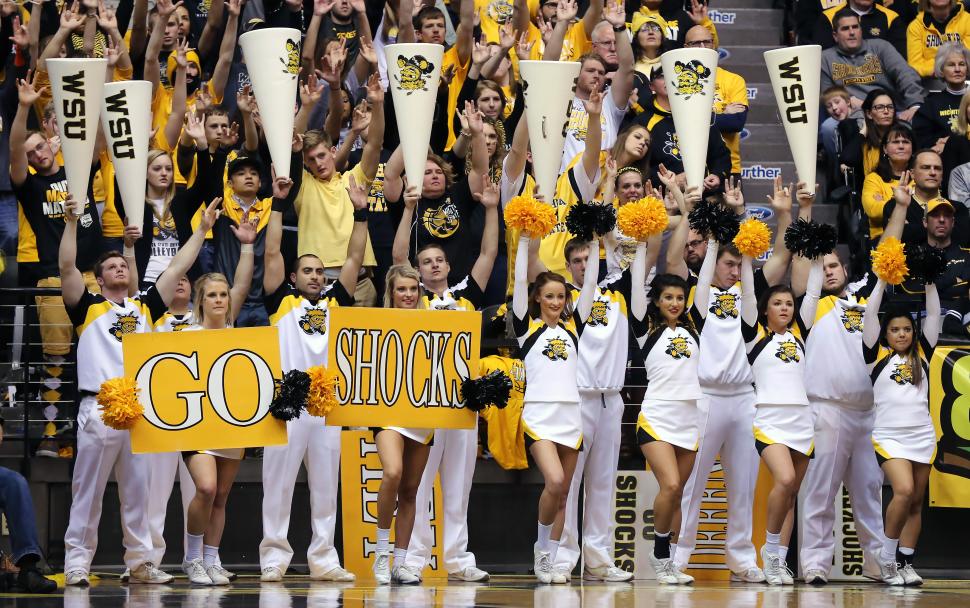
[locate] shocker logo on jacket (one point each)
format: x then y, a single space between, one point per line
597 316
556 349
903 374
677 348
441 221
124 324
852 320
414 73
291 65
725 305
788 352
314 321
691 77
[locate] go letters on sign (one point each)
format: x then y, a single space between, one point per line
402 367
205 390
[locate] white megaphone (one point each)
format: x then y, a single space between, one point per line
548 91
77 86
689 75
413 74
273 60
126 117
794 73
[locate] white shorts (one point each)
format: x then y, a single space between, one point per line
914 443
789 425
557 421
228 453
423 436
673 422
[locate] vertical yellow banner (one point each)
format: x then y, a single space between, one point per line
360 479
950 410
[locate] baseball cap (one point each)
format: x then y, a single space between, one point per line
937 203
657 72
244 160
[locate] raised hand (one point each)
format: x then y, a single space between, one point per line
181 54
72 19
480 52
132 234
780 199
411 197
27 92
281 183
698 12
902 193
474 117
566 11
489 196
733 197
72 209
246 232
165 8
208 218
506 37
803 195
366 50
106 18
594 105
194 128
523 47
332 66
357 193
614 13
360 121
311 91
375 92
322 7
20 37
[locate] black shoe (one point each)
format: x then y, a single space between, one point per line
32 581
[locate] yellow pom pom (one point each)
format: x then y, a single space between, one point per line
889 261
643 218
120 408
753 238
322 397
529 215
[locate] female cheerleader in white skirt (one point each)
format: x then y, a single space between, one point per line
403 454
668 332
784 430
902 434
545 326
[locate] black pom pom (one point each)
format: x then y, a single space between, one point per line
291 395
589 220
713 219
810 239
494 388
495 328
925 262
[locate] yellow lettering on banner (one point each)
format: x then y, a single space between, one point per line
402 367
205 390
950 411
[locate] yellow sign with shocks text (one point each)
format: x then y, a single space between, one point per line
205 390
402 367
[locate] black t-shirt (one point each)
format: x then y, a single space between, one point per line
381 225
445 221
42 199
331 30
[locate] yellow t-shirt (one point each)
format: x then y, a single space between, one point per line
104 192
454 87
161 110
326 217
875 195
574 45
730 88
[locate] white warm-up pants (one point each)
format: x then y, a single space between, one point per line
596 470
843 454
313 443
101 450
725 423
452 456
164 467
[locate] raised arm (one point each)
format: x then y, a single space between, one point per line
308 57
210 31
131 235
800 266
163 10
138 26
489 198
479 151
702 293
331 71
393 175
749 301
903 198
870 318
812 292
358 237
27 95
370 158
274 268
933 322
590 282
400 251
108 22
519 151
220 73
242 280
565 13
173 126
776 267
622 84
676 264
72 281
594 134
520 287
71 21
310 93
187 253
465 34
644 259
246 102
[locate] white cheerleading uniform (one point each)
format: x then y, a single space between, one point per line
603 355
840 394
303 328
452 456
902 427
100 325
551 409
165 465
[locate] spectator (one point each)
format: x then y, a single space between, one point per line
936 118
876 21
927 175
836 102
877 189
956 151
861 145
577 33
862 65
938 21
676 20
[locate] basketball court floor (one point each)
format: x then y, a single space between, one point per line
297 592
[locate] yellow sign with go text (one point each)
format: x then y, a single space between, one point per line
205 390
402 367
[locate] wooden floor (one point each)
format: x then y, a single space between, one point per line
297 592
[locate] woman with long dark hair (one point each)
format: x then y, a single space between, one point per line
897 149
861 146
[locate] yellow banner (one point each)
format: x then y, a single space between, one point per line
950 410
402 367
360 479
205 390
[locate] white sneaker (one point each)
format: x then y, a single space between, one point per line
126 575
748 575
382 567
335 575
271 574
148 574
814 576
215 576
664 568
471 574
76 578
773 567
195 570
230 575
402 575
542 564
910 577
560 575
889 573
787 577
607 574
682 577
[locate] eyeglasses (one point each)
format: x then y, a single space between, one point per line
648 27
883 107
709 42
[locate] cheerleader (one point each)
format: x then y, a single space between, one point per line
215 306
403 454
783 426
903 434
546 329
668 333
